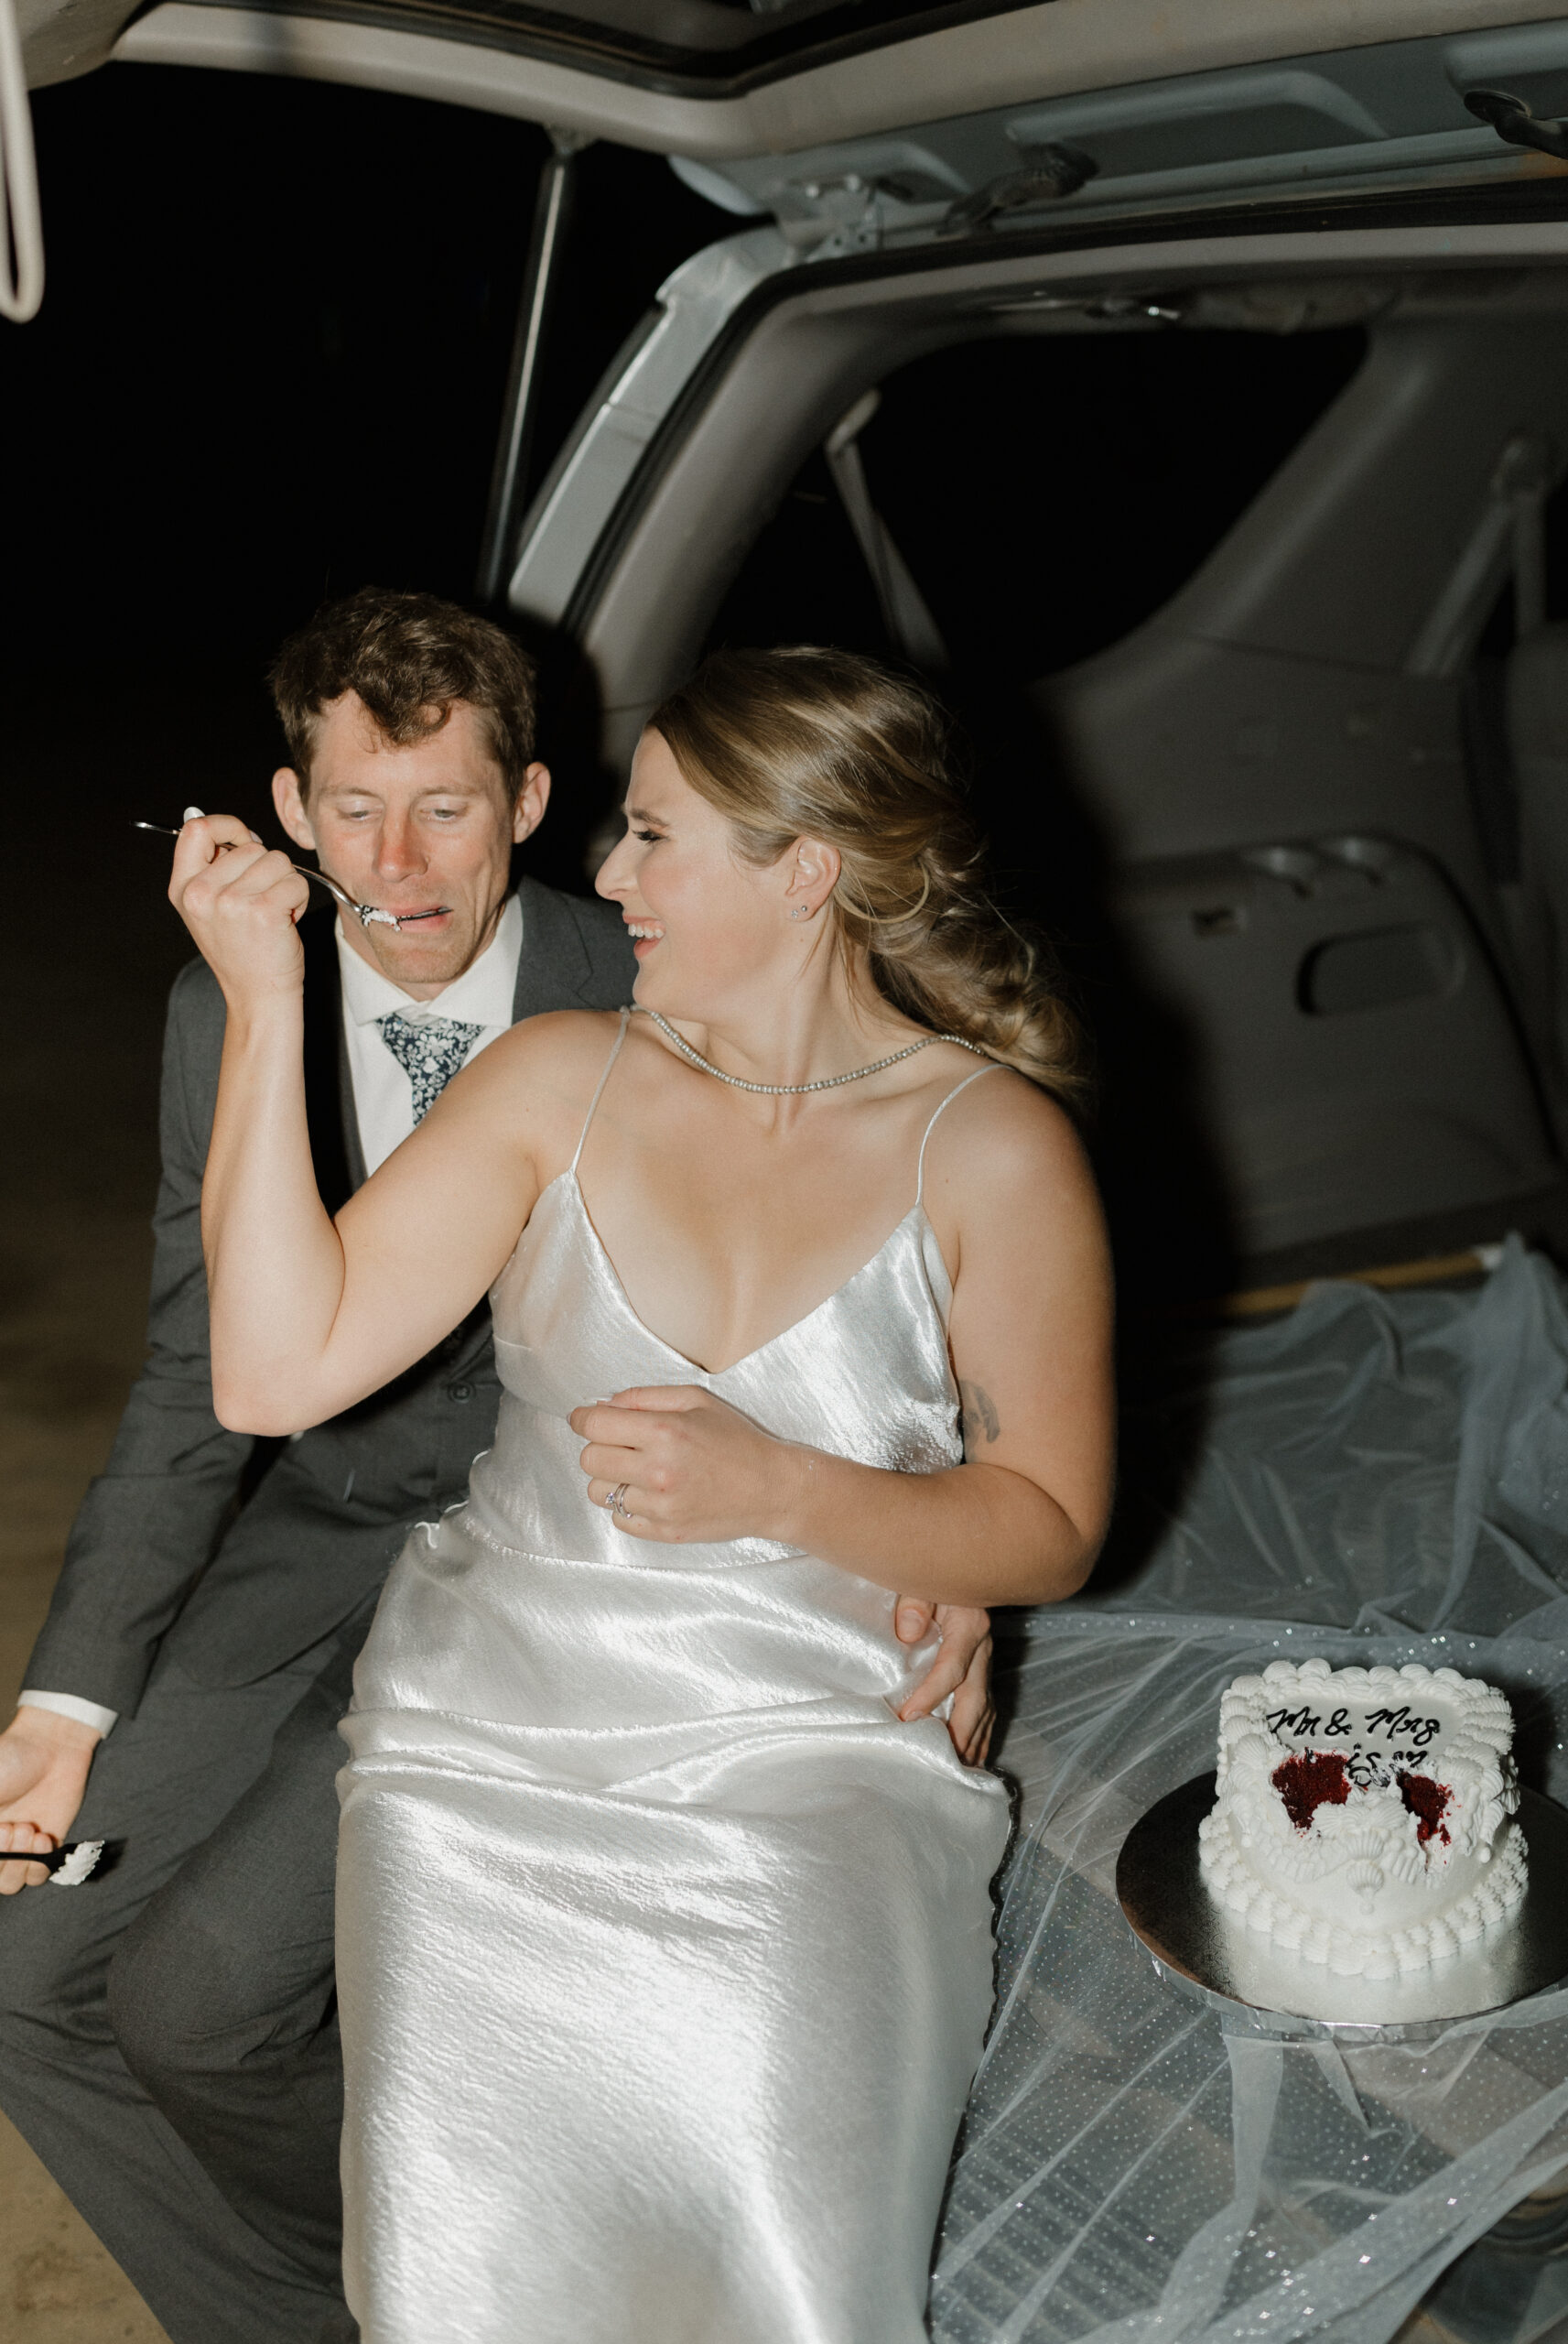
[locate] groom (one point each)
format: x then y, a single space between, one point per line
168 2034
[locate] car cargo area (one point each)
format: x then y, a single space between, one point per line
1278 763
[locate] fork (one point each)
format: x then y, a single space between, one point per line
363 913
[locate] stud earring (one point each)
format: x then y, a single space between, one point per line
801 911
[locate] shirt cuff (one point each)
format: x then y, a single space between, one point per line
66 1705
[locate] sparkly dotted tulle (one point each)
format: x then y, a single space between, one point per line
1377 1479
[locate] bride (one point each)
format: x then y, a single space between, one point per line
664 1946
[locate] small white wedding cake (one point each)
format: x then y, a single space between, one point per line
1364 1815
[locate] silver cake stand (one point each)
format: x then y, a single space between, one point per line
1169 1908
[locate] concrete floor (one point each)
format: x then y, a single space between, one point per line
72 1283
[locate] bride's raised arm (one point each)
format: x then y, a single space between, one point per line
309 1316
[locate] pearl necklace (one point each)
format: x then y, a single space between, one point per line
797 1089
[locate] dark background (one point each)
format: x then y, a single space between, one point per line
268 368
270 360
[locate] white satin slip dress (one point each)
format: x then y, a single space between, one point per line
663 1948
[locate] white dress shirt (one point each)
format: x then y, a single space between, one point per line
481 996
383 1102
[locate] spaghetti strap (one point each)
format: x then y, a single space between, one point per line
599 1094
979 1076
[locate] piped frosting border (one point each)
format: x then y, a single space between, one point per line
1269 1872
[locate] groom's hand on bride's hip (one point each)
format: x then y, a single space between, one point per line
962 1667
44 1765
674 1462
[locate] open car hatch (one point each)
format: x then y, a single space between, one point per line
719 82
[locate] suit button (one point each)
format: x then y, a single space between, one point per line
459 1390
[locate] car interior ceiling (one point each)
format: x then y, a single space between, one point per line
1253 603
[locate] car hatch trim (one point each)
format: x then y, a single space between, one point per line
1031 52
1428 229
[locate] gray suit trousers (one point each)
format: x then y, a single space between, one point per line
169 2043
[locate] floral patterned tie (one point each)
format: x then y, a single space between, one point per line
429 1052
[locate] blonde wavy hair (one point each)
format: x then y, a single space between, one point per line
805 743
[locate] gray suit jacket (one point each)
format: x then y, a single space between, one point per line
235 1553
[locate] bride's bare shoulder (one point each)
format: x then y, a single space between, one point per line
1006 1146
562 1036
532 1088
558 1055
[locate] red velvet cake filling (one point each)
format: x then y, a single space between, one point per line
1428 1802
1310 1779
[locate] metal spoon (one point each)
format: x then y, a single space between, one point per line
363 913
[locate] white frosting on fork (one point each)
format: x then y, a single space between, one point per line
81 1861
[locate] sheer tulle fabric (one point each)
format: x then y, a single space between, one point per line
665 1950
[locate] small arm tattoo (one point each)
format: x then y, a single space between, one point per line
979 1417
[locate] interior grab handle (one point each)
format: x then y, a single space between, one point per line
1049 174
1511 118
21 218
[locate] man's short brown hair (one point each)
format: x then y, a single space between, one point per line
410 657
